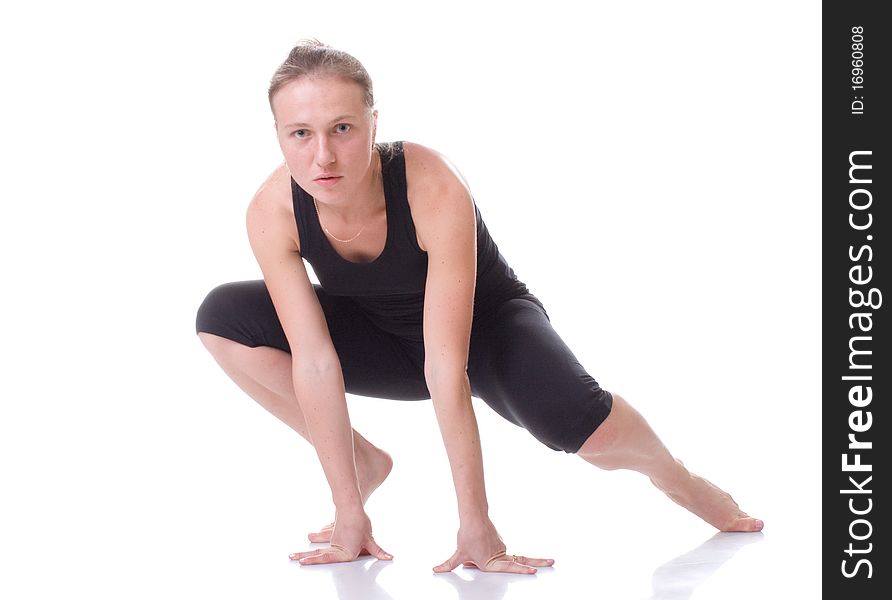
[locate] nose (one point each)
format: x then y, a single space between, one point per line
324 153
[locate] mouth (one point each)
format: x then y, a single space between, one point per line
327 180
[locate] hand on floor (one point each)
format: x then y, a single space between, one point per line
480 546
351 537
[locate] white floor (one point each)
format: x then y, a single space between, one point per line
203 494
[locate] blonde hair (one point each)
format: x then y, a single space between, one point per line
310 57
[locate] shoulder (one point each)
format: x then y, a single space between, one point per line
427 169
437 192
271 209
274 193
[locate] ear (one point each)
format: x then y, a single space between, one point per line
374 125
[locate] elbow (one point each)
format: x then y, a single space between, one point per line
316 366
446 379
315 370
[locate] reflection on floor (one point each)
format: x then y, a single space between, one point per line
681 576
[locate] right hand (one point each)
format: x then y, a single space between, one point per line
350 539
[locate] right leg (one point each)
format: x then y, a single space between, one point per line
264 374
238 324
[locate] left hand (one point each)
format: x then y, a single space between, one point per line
480 546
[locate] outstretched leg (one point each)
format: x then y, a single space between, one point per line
625 441
264 374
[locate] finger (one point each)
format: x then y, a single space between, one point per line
509 566
533 562
375 550
316 552
323 559
306 553
327 556
469 564
506 564
448 565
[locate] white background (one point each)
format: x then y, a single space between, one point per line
649 169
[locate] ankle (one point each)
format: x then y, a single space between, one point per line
367 454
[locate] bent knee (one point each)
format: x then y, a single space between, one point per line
222 304
214 343
241 312
226 352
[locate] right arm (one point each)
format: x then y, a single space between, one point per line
316 368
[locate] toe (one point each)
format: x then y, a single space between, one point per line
746 524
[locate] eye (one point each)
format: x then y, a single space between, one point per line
342 127
300 133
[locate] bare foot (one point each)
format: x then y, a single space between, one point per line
372 469
707 501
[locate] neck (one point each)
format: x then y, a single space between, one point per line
364 202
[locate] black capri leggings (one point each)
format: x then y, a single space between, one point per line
517 363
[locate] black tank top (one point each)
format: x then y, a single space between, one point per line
390 289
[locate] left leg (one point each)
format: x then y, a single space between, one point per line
520 367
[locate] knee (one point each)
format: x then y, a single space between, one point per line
225 351
215 344
218 314
568 424
603 441
216 306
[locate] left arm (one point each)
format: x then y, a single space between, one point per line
446 225
445 219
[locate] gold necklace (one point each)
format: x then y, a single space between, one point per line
316 204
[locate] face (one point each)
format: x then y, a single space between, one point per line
327 136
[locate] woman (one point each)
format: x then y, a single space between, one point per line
415 302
